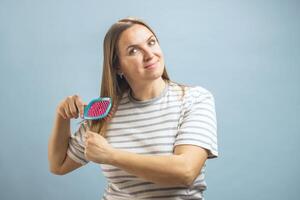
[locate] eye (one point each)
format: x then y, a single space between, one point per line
152 42
133 51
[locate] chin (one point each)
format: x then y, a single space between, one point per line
157 75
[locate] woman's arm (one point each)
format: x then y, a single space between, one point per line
58 143
59 161
179 169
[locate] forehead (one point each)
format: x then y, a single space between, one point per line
136 34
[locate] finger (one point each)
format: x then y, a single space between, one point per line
85 136
67 111
84 105
91 134
88 134
80 105
61 112
73 109
86 143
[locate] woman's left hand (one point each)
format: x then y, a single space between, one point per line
97 149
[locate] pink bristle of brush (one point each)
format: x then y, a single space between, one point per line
98 108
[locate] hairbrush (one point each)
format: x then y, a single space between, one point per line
97 108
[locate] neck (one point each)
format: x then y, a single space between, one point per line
142 92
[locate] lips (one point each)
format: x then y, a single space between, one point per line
151 64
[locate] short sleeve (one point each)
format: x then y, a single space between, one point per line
77 145
199 125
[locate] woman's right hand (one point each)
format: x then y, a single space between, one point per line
71 107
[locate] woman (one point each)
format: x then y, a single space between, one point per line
159 134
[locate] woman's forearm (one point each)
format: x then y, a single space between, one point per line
159 169
58 143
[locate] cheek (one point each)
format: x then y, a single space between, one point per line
157 50
131 65
132 62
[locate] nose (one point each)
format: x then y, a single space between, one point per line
148 54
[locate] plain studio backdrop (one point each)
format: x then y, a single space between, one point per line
247 53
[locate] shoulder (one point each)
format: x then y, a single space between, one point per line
192 91
199 92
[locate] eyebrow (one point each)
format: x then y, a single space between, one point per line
133 45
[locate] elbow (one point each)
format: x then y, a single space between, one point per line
188 182
188 177
56 171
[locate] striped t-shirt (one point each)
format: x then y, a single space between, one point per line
155 127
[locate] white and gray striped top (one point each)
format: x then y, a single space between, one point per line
155 127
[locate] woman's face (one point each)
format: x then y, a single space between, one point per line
140 57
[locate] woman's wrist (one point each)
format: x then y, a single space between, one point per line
114 156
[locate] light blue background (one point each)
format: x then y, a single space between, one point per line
247 53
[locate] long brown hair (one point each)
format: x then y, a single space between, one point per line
112 85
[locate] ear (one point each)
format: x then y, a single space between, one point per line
118 70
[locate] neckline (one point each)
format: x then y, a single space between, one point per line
148 101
